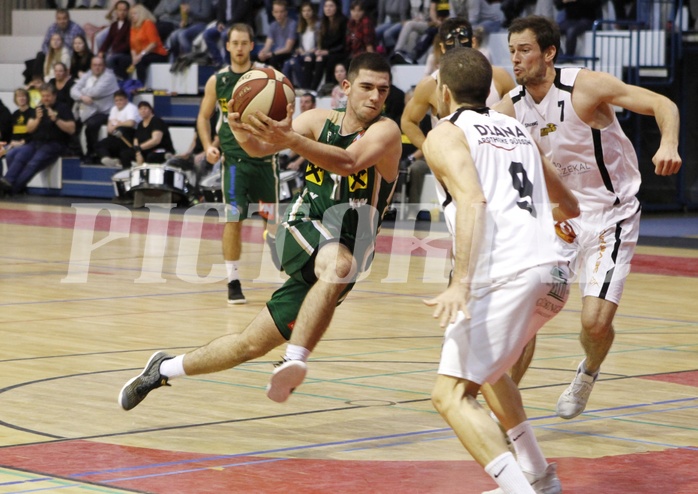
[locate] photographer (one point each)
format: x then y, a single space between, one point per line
51 129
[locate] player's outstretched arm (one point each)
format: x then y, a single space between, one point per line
448 155
596 88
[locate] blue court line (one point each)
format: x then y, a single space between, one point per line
26 481
551 427
62 484
254 453
44 489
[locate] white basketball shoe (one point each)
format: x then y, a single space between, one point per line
544 483
574 399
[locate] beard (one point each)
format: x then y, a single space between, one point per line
531 78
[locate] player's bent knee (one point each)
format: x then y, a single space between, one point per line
597 330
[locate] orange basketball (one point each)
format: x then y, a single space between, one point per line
263 89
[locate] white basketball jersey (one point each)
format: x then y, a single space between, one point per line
599 166
519 226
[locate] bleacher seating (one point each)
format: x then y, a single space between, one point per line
35 22
48 178
176 96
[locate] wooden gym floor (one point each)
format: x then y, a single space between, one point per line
85 298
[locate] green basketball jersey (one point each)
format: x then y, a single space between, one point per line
225 82
350 207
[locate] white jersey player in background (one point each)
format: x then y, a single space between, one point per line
569 112
509 276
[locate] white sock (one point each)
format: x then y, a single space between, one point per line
232 269
173 367
528 452
585 371
506 472
295 352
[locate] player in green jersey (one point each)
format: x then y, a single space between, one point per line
326 239
244 180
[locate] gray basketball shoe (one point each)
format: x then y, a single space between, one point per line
137 388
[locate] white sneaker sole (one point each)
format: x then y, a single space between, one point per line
287 377
237 302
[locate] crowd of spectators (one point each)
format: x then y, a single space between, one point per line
93 69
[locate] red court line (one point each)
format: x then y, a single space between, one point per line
385 244
163 472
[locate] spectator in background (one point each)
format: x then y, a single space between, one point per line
361 34
90 4
278 47
51 128
145 42
485 14
57 52
299 68
228 12
114 151
53 4
94 95
575 18
339 97
331 44
63 82
116 47
81 59
392 14
152 142
64 27
195 15
417 35
20 118
168 17
5 126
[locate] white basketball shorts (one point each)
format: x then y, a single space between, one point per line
601 248
503 318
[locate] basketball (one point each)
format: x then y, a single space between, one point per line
263 89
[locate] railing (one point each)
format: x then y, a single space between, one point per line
646 49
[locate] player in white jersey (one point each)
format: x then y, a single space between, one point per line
454 31
509 277
570 114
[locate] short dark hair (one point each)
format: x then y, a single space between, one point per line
310 95
128 5
451 25
368 61
547 33
145 103
243 28
468 74
121 92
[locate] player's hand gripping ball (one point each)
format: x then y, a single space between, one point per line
263 89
